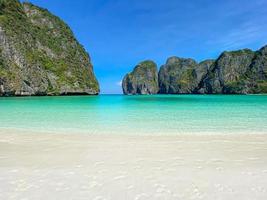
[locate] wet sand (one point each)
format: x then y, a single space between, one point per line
69 166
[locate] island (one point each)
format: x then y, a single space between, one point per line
233 72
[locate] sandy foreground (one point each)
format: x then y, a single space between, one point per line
69 166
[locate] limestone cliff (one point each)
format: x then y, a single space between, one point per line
39 54
142 80
229 73
233 72
178 76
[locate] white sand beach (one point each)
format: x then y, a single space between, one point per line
69 166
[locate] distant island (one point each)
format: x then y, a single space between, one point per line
39 54
235 72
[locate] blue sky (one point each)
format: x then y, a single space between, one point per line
120 33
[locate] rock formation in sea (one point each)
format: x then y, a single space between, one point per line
178 76
142 80
39 54
229 73
258 72
233 72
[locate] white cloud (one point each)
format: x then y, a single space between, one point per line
242 35
119 83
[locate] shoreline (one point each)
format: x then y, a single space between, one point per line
74 132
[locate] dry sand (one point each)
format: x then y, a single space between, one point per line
69 166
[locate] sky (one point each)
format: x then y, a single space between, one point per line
118 34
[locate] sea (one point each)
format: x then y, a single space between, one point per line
136 115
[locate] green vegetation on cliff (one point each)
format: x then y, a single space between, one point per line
142 80
177 76
233 72
41 54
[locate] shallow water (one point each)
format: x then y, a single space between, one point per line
118 114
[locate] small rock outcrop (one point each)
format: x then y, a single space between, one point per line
39 54
142 80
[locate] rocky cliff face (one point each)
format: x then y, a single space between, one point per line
202 70
234 72
142 80
178 75
39 54
229 73
258 72
183 76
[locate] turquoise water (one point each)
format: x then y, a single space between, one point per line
118 114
